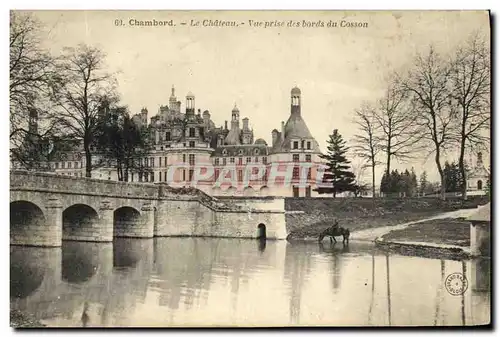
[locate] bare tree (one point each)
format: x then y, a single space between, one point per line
32 73
398 124
367 141
87 92
470 80
428 85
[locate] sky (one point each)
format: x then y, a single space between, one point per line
336 68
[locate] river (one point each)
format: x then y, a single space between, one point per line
231 282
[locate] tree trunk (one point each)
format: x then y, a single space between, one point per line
88 159
461 161
441 174
373 179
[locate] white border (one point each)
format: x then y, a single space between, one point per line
147 4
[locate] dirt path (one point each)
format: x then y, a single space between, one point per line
372 233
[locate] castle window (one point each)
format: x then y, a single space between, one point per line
183 175
224 161
191 174
152 160
152 177
159 175
76 164
264 160
165 176
191 159
479 184
256 159
184 158
184 144
63 165
217 173
295 173
308 158
257 152
160 164
308 145
240 175
302 144
192 132
57 165
191 144
295 158
69 165
240 161
295 145
224 152
309 174
249 159
216 161
231 160
167 136
240 152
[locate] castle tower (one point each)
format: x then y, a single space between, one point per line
190 106
295 101
235 117
233 137
172 102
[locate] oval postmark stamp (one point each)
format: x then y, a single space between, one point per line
456 284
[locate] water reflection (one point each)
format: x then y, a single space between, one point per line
200 282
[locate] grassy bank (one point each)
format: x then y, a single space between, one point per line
19 319
440 231
364 213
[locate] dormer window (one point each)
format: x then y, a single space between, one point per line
295 145
308 145
240 152
256 152
192 132
224 152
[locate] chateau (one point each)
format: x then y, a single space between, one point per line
190 150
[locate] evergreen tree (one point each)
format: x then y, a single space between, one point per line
423 182
384 183
413 183
338 178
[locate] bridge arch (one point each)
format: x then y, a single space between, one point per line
79 223
124 220
264 191
248 191
26 222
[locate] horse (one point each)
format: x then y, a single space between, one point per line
334 231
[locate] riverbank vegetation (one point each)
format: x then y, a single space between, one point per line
316 214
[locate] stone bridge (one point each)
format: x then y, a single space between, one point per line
46 209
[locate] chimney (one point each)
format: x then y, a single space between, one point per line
225 125
245 124
282 130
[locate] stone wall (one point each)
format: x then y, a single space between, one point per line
159 211
52 182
